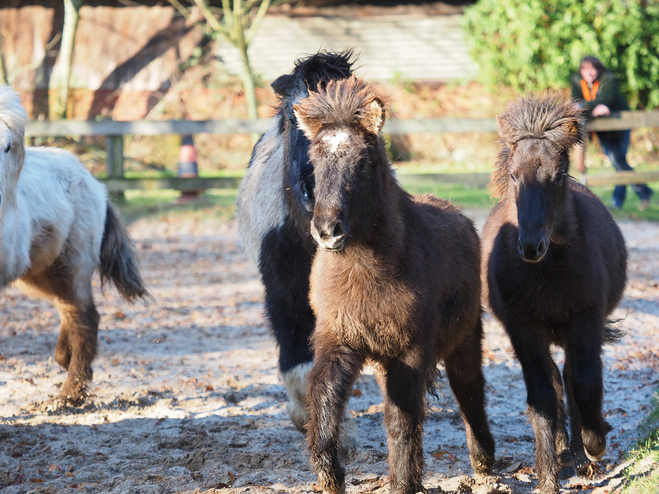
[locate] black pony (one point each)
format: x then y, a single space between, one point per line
554 267
275 206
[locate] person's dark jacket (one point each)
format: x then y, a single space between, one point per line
608 93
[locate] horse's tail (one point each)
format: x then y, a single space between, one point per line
118 259
611 333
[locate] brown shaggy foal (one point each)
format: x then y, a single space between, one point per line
553 267
396 281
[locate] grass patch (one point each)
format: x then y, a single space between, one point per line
220 203
643 473
630 208
461 196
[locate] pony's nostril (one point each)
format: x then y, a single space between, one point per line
542 247
520 246
337 231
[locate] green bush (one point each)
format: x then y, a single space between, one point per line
536 44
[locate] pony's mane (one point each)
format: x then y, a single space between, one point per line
12 112
549 116
344 101
324 66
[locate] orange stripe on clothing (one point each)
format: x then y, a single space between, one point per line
587 95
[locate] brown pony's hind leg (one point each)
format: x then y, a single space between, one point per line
465 375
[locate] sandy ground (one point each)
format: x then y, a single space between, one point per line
186 395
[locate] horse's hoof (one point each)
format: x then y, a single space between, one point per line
567 472
332 484
594 446
595 457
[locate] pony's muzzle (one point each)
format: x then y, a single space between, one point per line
532 250
329 233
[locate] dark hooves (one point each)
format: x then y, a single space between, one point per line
567 472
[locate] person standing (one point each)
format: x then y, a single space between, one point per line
597 91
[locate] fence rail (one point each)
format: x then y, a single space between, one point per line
617 121
115 130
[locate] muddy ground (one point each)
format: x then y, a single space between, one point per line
186 396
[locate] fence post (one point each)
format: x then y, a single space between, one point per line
114 149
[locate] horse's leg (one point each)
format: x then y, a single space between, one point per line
285 266
67 282
576 444
465 375
330 382
81 324
403 384
562 438
583 363
63 347
532 351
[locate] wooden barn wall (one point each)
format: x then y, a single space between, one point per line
413 47
130 47
125 55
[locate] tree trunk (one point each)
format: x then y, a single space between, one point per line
248 83
63 77
3 70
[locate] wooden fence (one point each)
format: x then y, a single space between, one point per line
114 132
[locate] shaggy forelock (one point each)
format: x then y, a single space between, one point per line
12 112
543 117
342 102
535 117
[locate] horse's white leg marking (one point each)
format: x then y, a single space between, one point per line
295 381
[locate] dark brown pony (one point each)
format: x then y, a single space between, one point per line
396 281
553 267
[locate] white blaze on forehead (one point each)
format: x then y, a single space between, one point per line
335 140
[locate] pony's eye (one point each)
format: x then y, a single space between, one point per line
363 165
8 148
513 177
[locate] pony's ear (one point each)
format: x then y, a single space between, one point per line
283 85
571 130
373 116
310 126
504 128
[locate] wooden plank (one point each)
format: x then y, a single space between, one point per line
475 180
145 127
440 125
625 120
618 121
622 178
